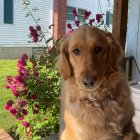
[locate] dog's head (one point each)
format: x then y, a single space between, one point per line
88 54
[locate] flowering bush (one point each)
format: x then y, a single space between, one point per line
98 21
36 88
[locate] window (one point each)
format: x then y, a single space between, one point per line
70 16
109 17
80 15
8 11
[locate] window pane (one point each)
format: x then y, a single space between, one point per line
81 12
69 9
81 18
8 11
70 17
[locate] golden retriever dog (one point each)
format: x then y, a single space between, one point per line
97 99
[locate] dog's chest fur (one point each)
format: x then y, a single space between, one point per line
93 119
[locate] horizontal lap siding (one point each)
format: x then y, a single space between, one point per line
84 4
133 36
17 33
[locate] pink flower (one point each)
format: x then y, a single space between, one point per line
24 59
6 106
25 124
24 111
13 111
31 28
86 14
34 33
77 22
21 62
16 93
34 97
74 11
35 39
14 90
23 103
38 28
24 56
91 21
99 17
69 26
7 86
20 118
35 72
26 72
18 78
69 32
20 69
9 79
10 102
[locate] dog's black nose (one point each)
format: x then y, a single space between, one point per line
89 80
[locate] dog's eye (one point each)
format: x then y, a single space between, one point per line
98 49
76 51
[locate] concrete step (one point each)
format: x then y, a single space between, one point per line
137 123
4 135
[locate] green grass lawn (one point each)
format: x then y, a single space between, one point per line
7 67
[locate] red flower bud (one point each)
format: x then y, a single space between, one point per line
24 111
9 79
91 21
99 17
13 111
25 124
74 11
69 26
34 97
77 22
7 107
86 14
38 28
10 102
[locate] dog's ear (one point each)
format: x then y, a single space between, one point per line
63 63
115 54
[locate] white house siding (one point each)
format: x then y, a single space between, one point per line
84 4
95 6
17 33
133 49
133 36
